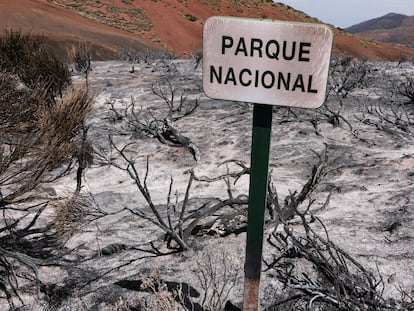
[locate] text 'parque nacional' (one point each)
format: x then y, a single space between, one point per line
268 62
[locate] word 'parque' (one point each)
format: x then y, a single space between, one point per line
268 79
272 49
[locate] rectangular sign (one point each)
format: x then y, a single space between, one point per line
266 62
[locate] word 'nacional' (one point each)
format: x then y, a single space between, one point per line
272 49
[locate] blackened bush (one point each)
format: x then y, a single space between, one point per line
406 89
18 105
14 46
80 56
42 131
44 69
23 56
29 77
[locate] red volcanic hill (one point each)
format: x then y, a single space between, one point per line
174 25
64 28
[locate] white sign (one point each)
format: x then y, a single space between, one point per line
266 62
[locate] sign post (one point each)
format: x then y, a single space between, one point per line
267 63
259 167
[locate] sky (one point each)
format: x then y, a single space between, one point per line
345 13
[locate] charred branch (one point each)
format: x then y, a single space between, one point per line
147 123
406 89
141 183
340 282
178 108
393 119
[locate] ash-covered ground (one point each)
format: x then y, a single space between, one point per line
364 200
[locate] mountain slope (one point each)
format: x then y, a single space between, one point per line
64 28
175 25
392 28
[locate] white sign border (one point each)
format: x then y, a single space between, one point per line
226 25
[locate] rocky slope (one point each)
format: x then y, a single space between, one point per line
391 28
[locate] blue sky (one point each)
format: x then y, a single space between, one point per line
345 13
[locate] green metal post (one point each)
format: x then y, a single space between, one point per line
259 167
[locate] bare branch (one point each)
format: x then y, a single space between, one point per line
143 189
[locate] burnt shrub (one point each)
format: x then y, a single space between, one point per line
42 131
23 56
406 89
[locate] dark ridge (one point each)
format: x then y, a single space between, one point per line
389 21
